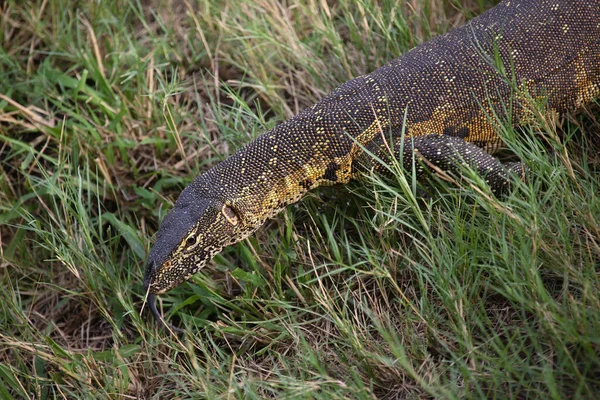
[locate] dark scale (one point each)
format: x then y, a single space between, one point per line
450 89
330 172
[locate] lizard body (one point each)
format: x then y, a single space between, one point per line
443 98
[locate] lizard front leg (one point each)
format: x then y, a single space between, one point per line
450 154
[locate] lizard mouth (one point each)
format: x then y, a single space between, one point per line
152 282
150 268
151 300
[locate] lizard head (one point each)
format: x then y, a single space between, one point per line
190 235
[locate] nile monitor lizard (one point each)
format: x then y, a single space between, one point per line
439 101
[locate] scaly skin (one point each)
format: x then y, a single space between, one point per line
445 95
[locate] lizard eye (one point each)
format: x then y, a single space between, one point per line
191 240
230 214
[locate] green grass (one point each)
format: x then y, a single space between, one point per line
108 109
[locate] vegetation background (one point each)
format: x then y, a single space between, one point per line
108 109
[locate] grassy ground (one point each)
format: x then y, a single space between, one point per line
108 109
